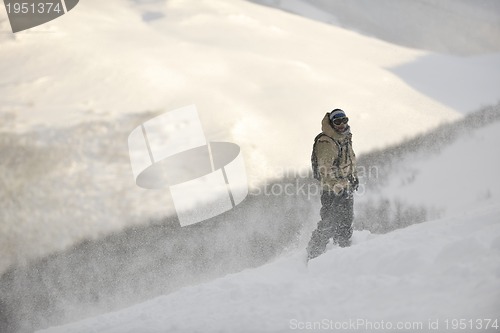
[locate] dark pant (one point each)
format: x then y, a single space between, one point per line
337 214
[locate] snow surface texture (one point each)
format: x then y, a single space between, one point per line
72 90
426 273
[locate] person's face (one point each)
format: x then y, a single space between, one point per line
340 124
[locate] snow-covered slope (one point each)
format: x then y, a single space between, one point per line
249 69
246 67
442 270
261 78
460 177
460 27
453 29
424 277
446 269
73 89
418 180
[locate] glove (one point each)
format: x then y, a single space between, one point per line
340 186
354 182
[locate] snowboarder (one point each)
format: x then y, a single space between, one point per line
334 165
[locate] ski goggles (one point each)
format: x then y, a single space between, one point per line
340 121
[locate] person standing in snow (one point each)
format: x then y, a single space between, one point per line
334 165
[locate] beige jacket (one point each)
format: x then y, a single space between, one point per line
336 158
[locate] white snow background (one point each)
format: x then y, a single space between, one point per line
71 90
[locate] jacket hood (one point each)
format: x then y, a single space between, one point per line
327 128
